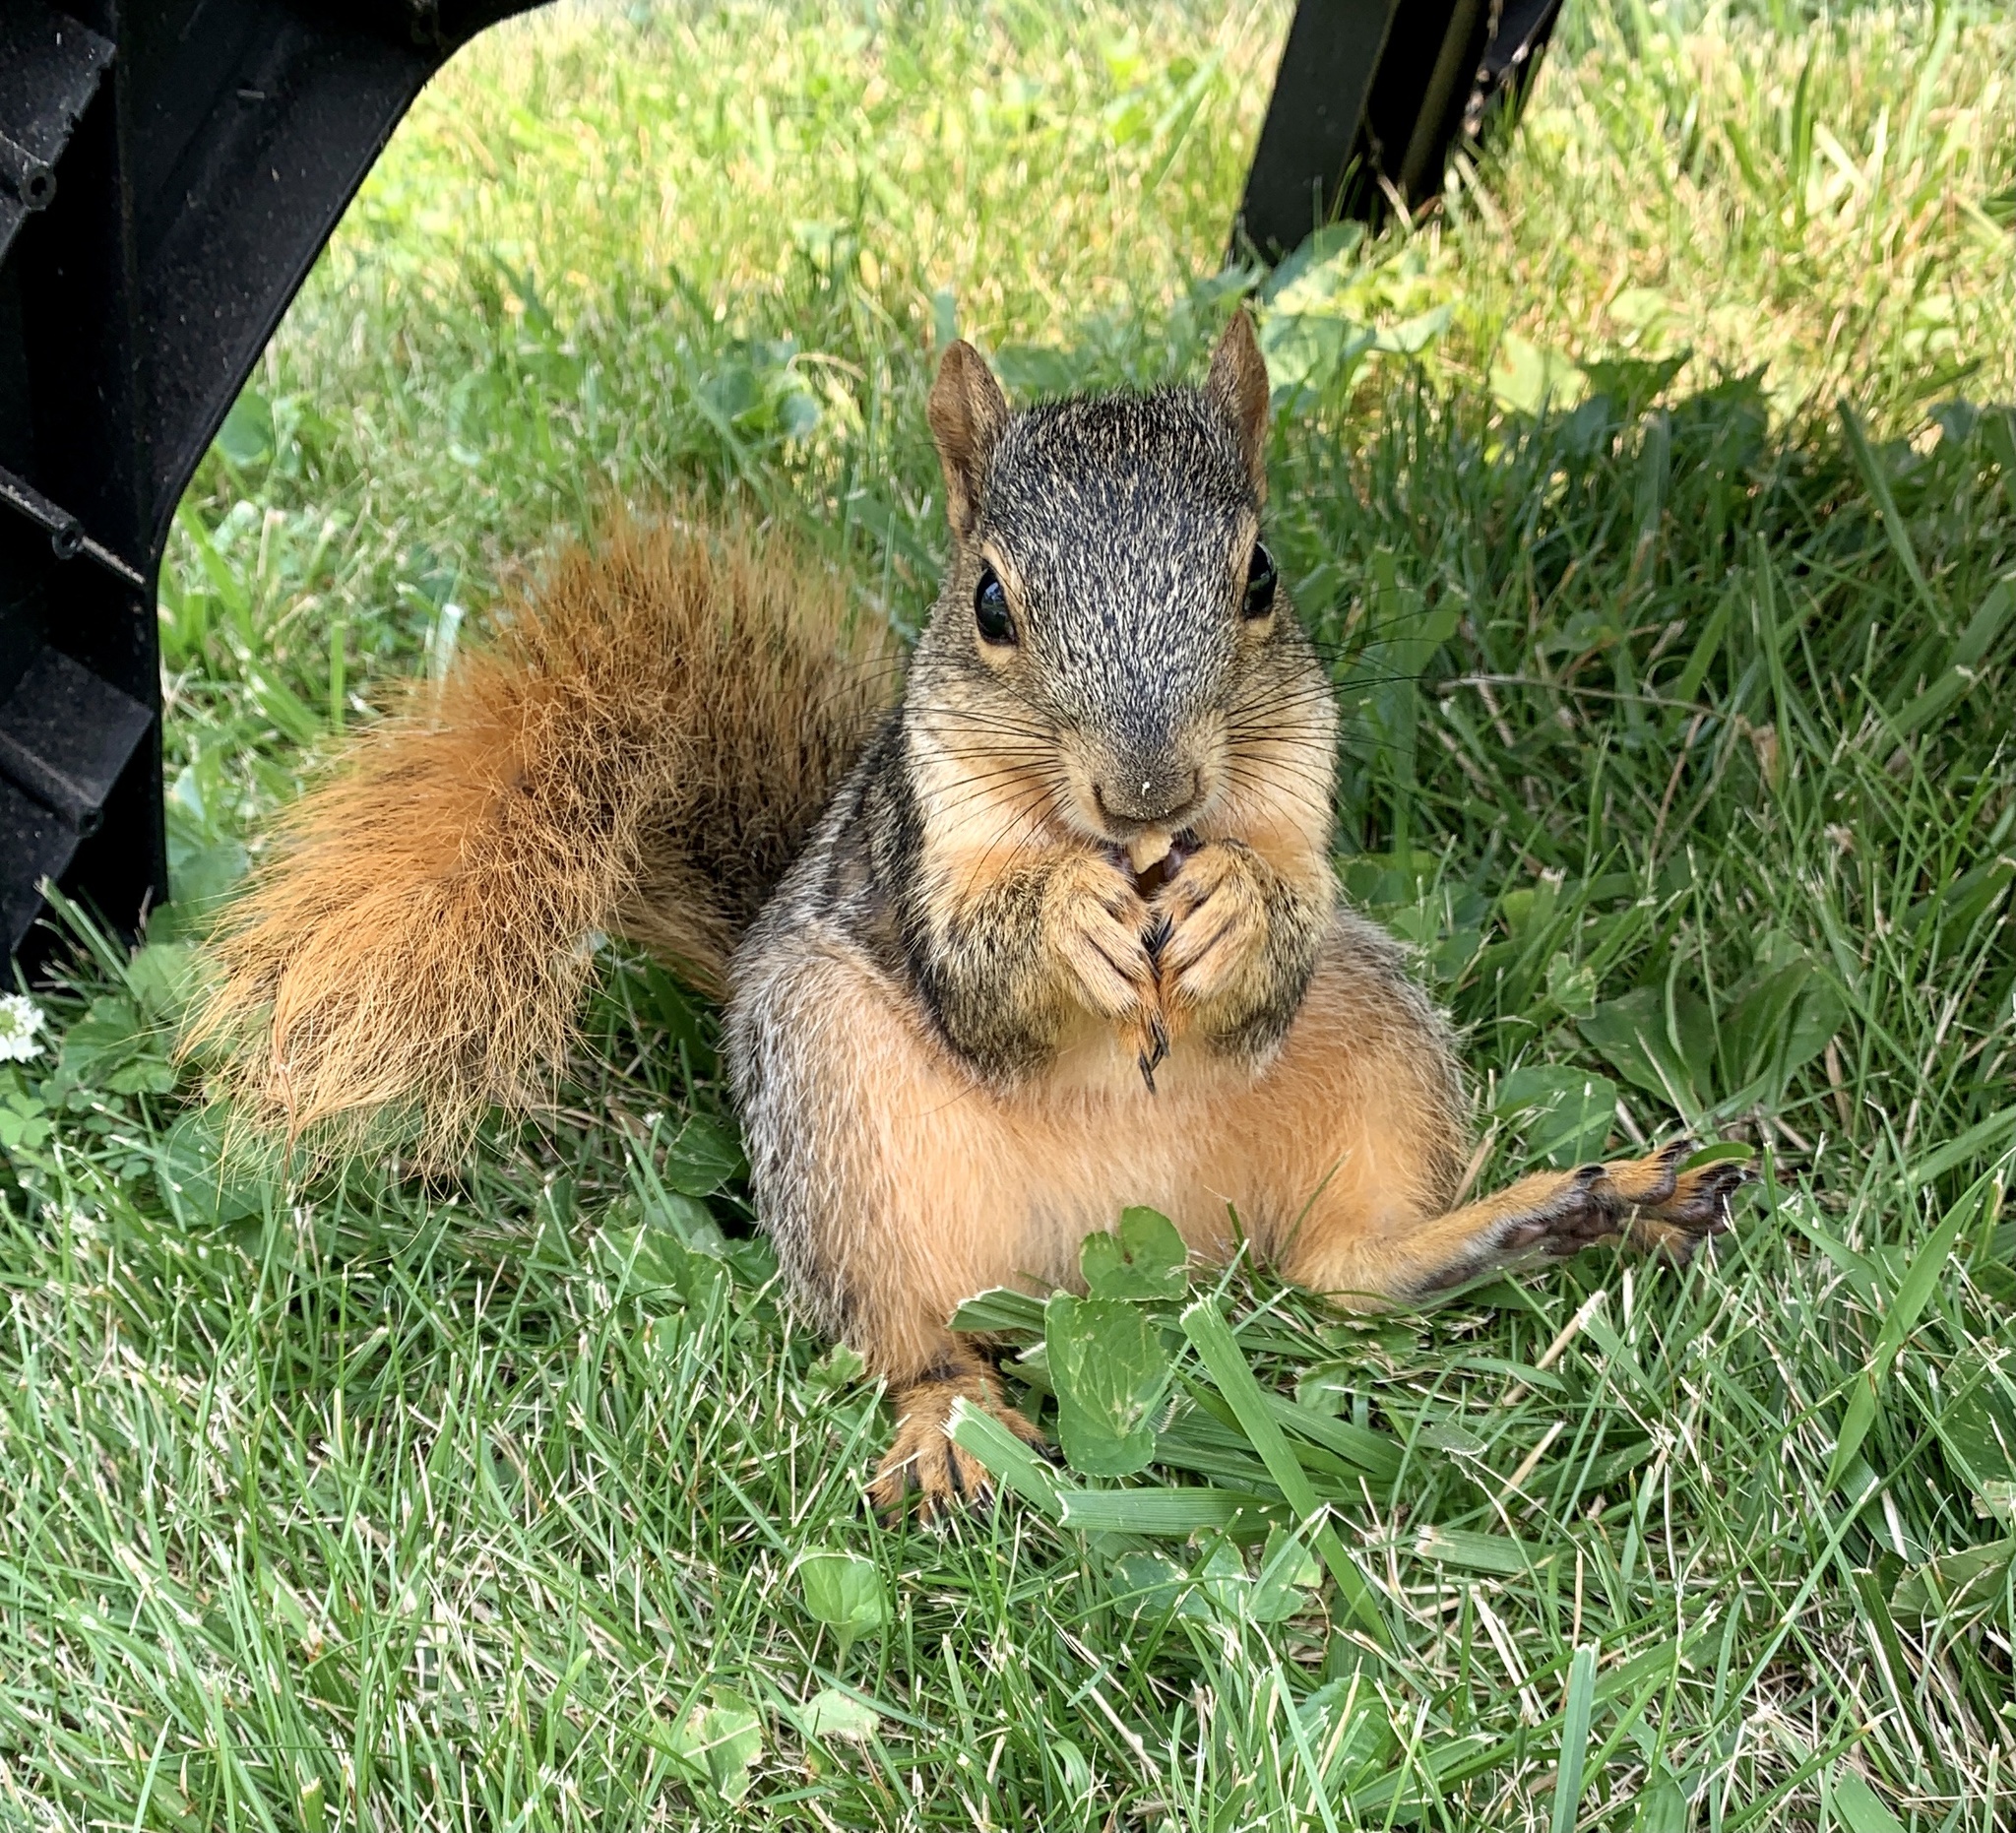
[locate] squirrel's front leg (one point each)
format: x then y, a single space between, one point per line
1010 963
1239 940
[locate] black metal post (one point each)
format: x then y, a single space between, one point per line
1369 98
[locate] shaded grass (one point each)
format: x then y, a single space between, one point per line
1674 744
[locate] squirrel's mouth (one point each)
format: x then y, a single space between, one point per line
1156 858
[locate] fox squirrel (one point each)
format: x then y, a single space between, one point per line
1065 936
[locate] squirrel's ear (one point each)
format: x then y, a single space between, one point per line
1238 388
967 412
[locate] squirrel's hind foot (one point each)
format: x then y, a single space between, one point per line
923 1461
1652 1203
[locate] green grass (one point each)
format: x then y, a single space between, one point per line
1677 744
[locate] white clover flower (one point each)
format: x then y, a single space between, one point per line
20 1019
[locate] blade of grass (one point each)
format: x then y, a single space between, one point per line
1574 1739
1211 1335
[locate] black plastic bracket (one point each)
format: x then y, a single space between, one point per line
49 69
169 169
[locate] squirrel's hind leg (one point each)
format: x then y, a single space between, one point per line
889 1186
1650 1203
1366 1129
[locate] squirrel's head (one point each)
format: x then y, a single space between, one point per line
1111 617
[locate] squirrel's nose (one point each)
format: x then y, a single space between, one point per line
1148 799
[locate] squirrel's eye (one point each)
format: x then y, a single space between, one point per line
1259 582
990 609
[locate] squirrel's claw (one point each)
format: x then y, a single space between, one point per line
1155 1046
1214 925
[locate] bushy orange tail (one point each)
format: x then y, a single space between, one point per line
640 752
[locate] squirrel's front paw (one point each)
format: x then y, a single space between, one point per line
1214 912
1098 925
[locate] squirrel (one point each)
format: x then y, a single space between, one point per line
1054 931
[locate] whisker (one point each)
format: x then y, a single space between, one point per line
1038 811
1280 694
961 716
1294 770
1019 748
1289 693
953 805
1571 687
1281 733
1265 782
982 781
